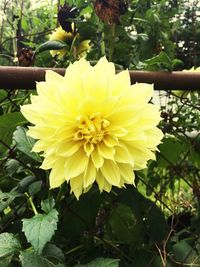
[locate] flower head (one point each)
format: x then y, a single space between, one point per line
92 125
60 35
109 11
83 48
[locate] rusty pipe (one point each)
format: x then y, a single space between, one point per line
25 78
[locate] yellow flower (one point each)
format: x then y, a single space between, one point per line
60 35
181 93
92 125
83 48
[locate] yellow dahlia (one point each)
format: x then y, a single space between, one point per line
60 35
92 125
83 48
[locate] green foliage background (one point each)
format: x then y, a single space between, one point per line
155 224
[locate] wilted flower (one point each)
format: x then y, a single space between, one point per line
25 57
65 14
60 35
92 125
110 11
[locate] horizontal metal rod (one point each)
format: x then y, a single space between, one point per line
25 77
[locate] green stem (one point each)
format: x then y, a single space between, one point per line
72 47
32 204
103 49
112 43
110 243
74 249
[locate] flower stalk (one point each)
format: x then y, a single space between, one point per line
111 42
30 200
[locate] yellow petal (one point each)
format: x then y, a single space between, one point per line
76 184
126 171
48 163
111 172
97 159
110 140
120 83
88 148
67 149
89 175
106 151
57 174
75 165
141 92
107 186
100 180
123 155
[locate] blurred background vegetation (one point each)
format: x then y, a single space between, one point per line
145 28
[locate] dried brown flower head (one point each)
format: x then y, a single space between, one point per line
109 11
26 57
65 14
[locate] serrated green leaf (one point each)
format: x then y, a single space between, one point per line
25 143
9 245
31 259
48 204
8 123
12 166
101 262
7 198
40 229
51 45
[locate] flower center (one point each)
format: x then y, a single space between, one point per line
91 128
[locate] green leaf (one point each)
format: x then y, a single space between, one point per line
121 222
185 253
9 245
74 225
3 94
162 58
51 45
48 204
101 262
166 148
7 198
40 229
25 143
8 123
53 252
25 183
151 218
31 259
12 166
34 188
5 261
